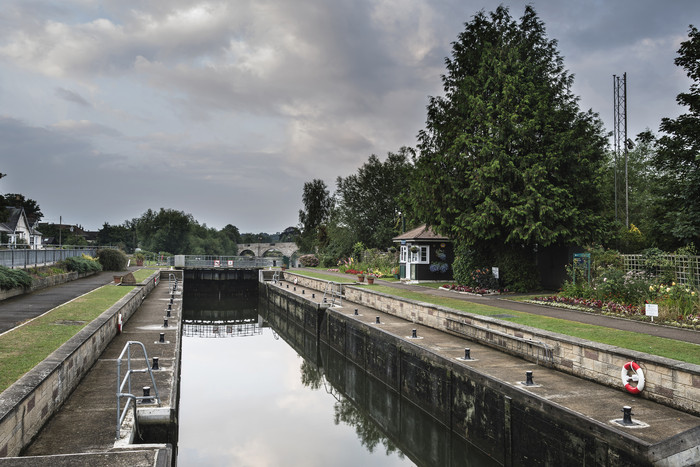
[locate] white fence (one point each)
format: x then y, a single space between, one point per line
25 258
686 269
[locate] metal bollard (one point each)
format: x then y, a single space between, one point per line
627 415
356 312
162 337
467 355
414 333
378 320
165 322
528 379
155 364
313 295
302 291
146 393
168 313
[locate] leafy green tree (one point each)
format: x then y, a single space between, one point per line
231 231
369 201
651 197
123 236
317 209
678 154
507 161
261 237
167 230
289 234
17 200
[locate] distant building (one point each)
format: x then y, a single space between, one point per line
20 231
54 232
425 255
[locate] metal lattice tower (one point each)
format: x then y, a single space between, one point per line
620 135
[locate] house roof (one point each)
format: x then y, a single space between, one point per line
10 225
421 233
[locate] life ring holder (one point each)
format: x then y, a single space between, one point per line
119 323
638 376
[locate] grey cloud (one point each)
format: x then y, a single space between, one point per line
73 97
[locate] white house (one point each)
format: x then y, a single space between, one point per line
19 231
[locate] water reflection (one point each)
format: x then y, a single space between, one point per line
292 401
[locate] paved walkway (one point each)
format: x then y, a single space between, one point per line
21 308
502 301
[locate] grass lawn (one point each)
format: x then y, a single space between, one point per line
143 274
326 277
25 347
683 351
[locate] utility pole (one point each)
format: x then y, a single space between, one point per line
620 136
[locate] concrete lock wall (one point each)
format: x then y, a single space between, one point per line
30 402
513 426
669 382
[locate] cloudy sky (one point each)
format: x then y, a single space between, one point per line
223 109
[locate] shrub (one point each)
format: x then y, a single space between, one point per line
13 278
82 264
309 261
518 271
112 259
464 264
484 279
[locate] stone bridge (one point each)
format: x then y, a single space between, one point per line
259 249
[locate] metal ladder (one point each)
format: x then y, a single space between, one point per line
172 282
121 383
333 294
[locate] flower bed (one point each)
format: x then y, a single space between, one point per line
615 309
468 289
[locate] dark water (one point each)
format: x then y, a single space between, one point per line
249 399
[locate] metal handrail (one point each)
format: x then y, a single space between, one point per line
335 290
121 414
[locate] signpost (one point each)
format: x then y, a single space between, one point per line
651 309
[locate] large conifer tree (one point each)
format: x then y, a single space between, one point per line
507 159
678 156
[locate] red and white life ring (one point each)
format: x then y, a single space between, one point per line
119 323
637 375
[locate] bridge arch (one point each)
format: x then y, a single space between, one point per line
259 249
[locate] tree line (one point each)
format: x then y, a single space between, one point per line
508 163
166 230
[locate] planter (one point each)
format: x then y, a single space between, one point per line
117 279
360 278
370 280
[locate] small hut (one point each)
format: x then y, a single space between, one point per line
425 255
